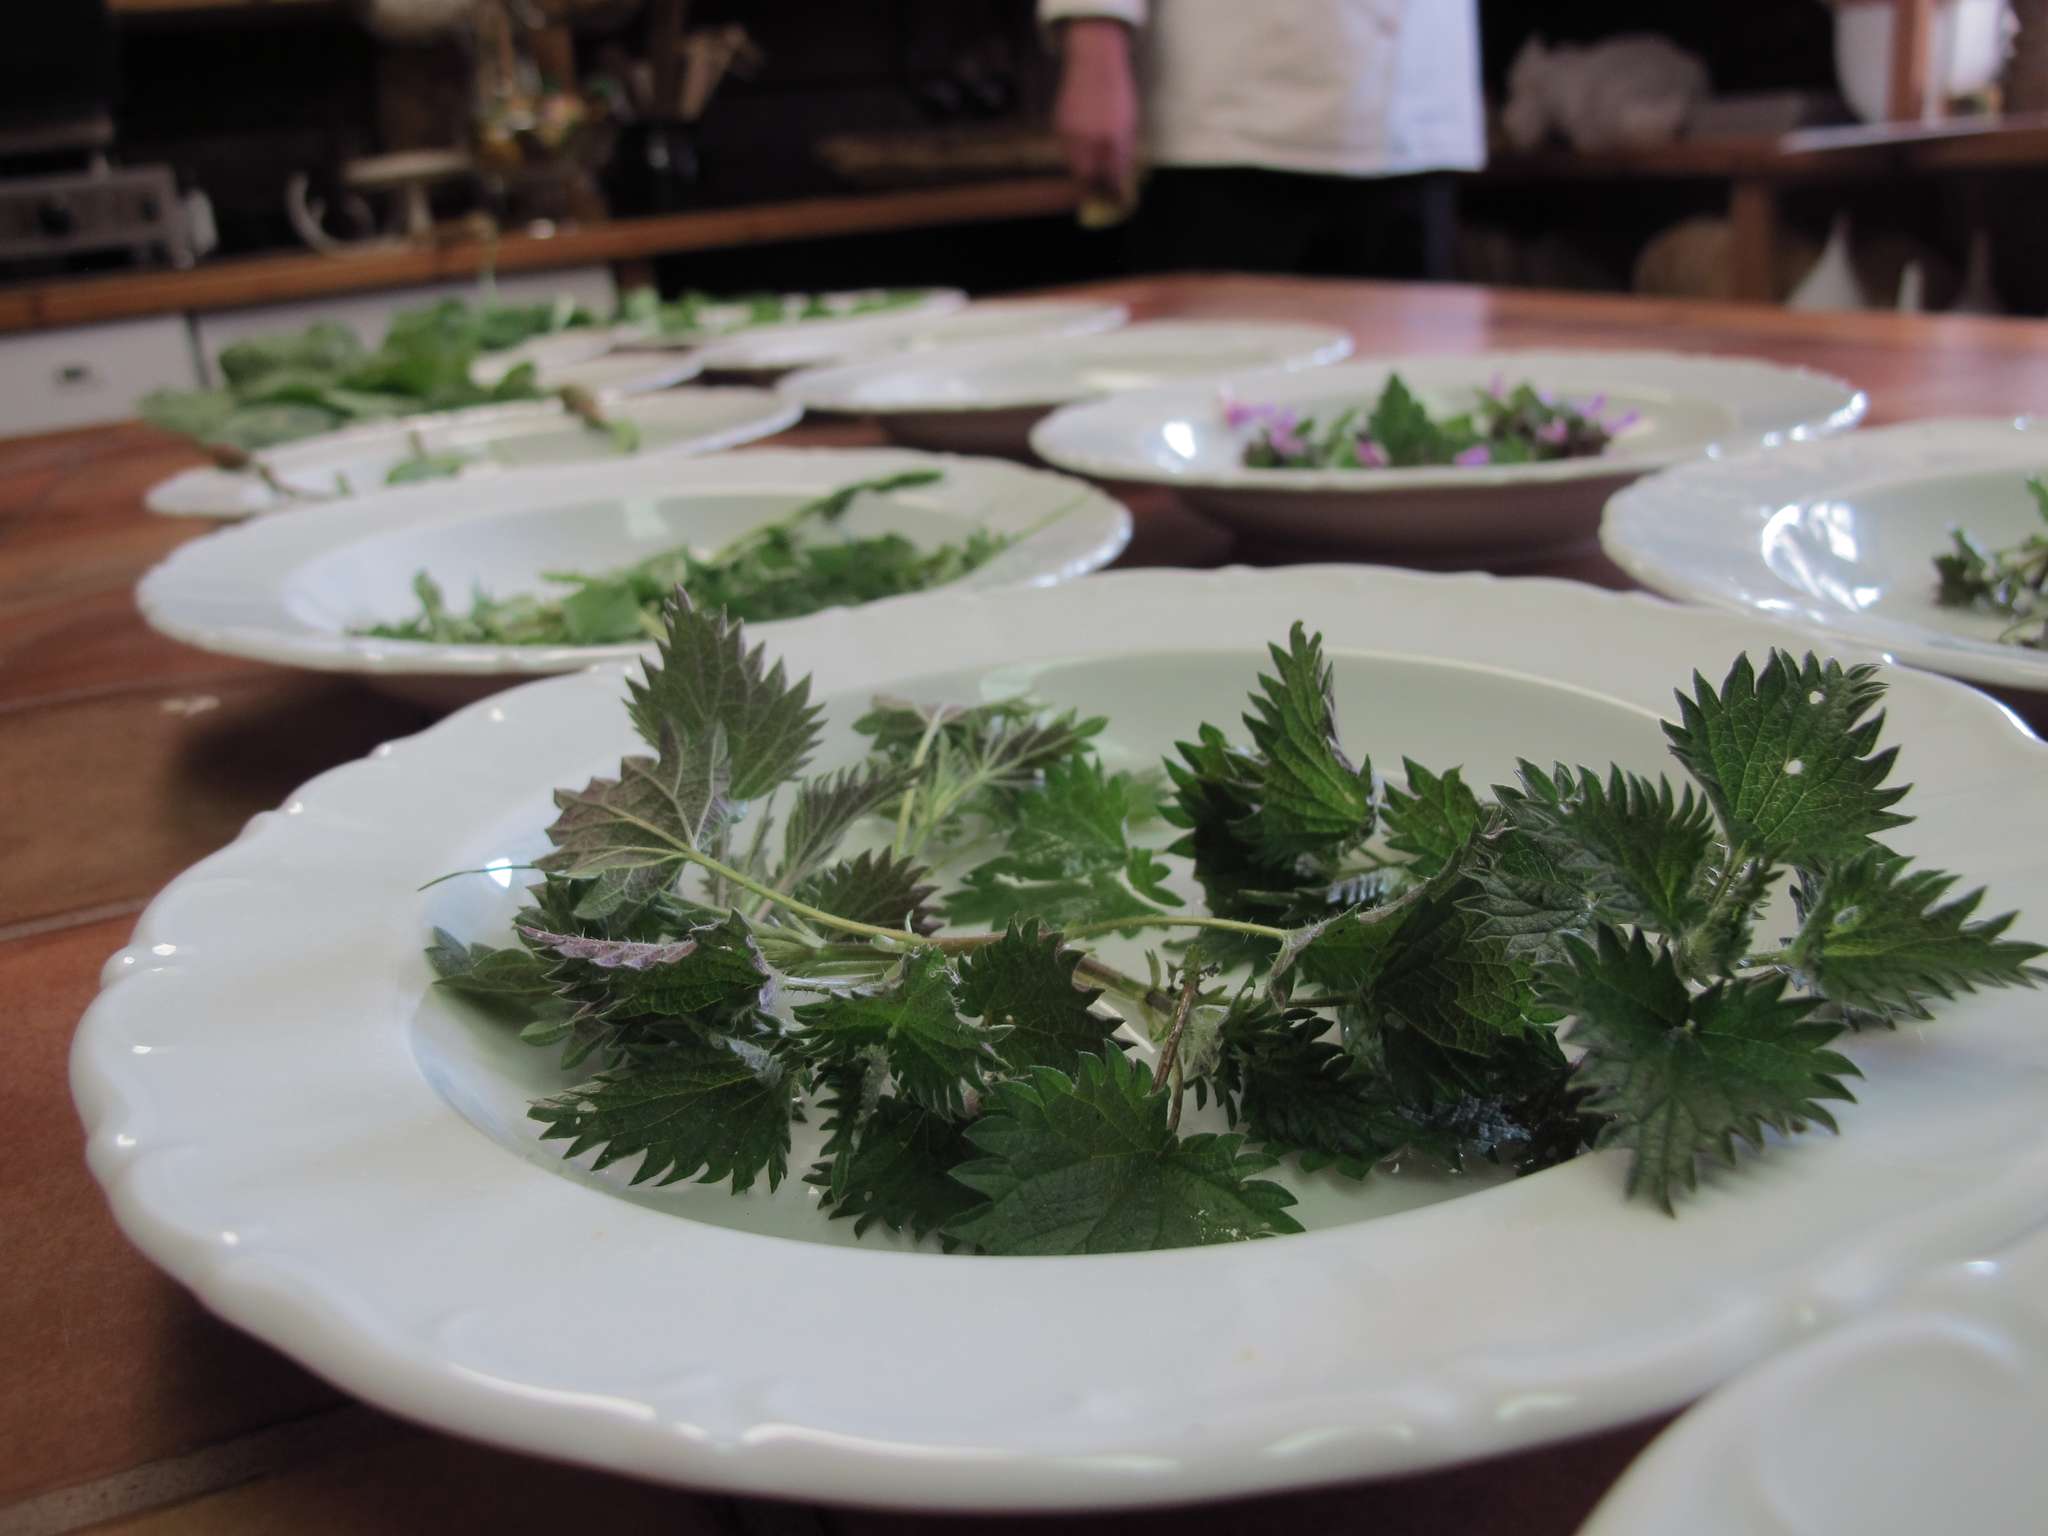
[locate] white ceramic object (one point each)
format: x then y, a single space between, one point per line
986 397
1929 1415
1688 406
549 354
624 373
290 589
337 1160
777 350
727 320
1968 43
500 439
1840 537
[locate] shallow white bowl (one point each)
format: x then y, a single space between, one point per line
1689 406
549 354
1840 537
503 439
733 319
290 589
770 353
334 1157
1929 1415
986 397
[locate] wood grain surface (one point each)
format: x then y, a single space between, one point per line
124 758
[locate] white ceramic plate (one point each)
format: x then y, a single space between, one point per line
1929 1415
1688 406
985 397
549 354
500 439
289 589
778 350
338 1161
1840 537
726 320
624 373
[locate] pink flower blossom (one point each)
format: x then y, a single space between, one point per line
1284 440
1621 423
1591 408
1475 457
1238 414
1371 455
1497 386
1556 432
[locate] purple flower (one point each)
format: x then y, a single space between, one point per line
1475 457
1556 432
1546 397
1621 423
1371 455
1238 414
1284 440
1590 408
1497 386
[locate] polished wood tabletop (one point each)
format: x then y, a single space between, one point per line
125 757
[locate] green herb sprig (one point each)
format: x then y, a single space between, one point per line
780 570
1385 970
2007 582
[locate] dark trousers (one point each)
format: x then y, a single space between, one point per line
1233 219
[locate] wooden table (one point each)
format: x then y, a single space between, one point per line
1759 170
124 758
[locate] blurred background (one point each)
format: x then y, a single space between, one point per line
177 172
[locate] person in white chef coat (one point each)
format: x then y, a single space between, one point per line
1275 135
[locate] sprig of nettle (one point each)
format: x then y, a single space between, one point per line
781 570
2010 582
1383 970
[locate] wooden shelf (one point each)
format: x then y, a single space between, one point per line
280 279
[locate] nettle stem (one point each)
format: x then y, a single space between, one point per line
1169 1053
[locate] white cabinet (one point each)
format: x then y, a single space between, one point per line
367 314
91 373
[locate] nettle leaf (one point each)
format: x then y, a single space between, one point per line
1517 1104
825 809
1787 757
1877 937
711 969
1311 799
512 983
708 680
1087 1164
937 1056
1067 858
707 1108
892 1162
1684 1075
1024 984
629 834
876 888
1299 1093
1433 820
1420 962
1523 898
1640 851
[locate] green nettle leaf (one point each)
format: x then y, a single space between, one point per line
706 1108
1088 1164
1877 937
512 983
1524 898
825 809
893 1163
629 834
937 1056
1024 984
1069 859
876 888
1311 800
708 680
1683 1075
1301 1094
1786 757
710 969
1641 852
1433 820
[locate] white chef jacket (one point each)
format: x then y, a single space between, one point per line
1343 87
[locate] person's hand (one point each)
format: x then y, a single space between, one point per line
1096 113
